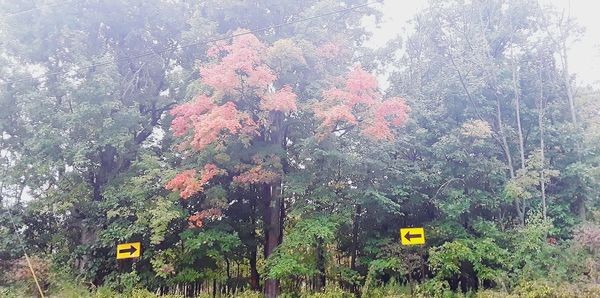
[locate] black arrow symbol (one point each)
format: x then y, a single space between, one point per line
131 250
409 236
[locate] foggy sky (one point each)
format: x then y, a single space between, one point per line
584 55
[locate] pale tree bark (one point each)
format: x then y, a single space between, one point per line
487 66
517 102
501 138
493 82
564 30
567 81
516 88
520 208
515 83
517 94
580 200
542 148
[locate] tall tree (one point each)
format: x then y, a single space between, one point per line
242 127
84 98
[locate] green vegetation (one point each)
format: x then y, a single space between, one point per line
270 163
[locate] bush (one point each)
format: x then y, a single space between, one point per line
542 289
105 292
248 294
590 291
64 284
433 288
19 274
143 293
389 289
12 292
493 294
71 290
330 292
486 258
123 282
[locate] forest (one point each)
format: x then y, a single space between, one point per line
260 148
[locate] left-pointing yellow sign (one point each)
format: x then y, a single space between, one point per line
412 236
129 250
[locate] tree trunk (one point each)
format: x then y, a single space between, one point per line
281 217
272 201
87 236
580 201
107 156
320 262
355 228
520 209
214 288
518 115
542 149
581 209
254 276
228 282
354 248
520 212
567 82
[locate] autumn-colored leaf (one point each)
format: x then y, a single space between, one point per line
360 99
188 184
198 219
283 100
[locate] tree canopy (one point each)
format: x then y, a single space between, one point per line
251 150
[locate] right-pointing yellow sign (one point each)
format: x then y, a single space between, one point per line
412 236
128 250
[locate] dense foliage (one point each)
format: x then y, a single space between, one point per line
252 158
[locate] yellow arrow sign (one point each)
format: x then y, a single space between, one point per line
412 236
129 250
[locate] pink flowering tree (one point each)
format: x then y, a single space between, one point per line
240 126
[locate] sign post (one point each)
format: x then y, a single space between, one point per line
129 250
412 236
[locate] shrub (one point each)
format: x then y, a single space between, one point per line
391 289
493 294
71 290
486 258
543 289
589 291
12 292
122 282
63 283
19 273
330 292
433 288
248 294
105 292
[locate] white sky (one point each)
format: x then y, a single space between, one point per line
584 55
